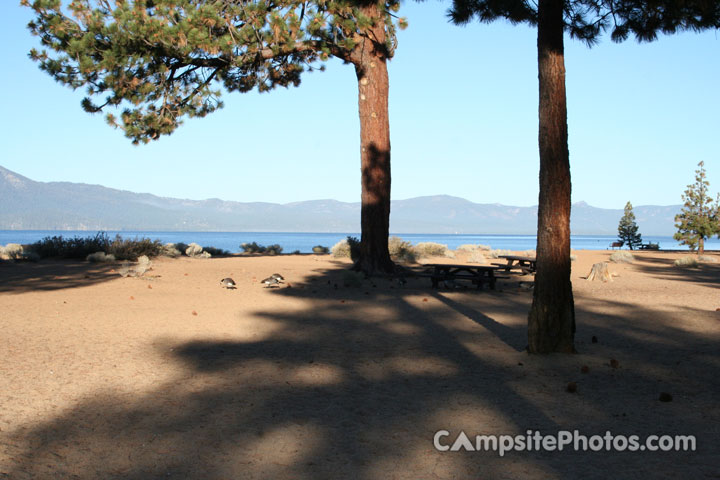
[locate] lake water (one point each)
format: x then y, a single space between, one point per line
305 241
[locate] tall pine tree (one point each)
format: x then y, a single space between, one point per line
628 229
700 216
551 322
162 60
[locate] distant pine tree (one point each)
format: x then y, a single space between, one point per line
628 229
700 216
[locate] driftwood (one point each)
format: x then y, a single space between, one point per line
600 272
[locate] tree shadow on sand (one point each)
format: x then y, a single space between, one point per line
23 277
356 387
662 267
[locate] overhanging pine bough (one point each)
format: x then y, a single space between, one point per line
161 60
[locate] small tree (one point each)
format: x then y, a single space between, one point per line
699 217
628 229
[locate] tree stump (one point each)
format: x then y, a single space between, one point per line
600 272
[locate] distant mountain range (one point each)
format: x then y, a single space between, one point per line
29 205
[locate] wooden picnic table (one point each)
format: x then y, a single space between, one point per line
478 274
524 264
649 246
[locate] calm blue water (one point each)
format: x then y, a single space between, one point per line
305 241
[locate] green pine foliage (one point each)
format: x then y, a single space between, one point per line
700 215
587 20
628 229
161 60
158 61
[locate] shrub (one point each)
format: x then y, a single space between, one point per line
11 251
252 248
354 245
469 247
126 249
216 252
30 257
76 247
430 249
352 279
79 247
193 250
688 261
100 257
296 252
401 250
171 250
622 256
707 259
476 257
274 249
181 247
341 249
320 249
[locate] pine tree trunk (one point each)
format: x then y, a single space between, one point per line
370 60
701 245
551 322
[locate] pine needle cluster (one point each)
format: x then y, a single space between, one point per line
158 61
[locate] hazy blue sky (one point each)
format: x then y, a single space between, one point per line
463 121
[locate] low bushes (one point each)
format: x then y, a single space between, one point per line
688 261
430 249
341 249
253 247
11 251
172 250
82 247
216 252
132 249
348 248
469 247
401 250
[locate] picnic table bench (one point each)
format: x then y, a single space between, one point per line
477 274
517 262
649 246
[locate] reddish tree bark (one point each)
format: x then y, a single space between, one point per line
551 322
370 60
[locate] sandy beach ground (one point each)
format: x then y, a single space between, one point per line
172 376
